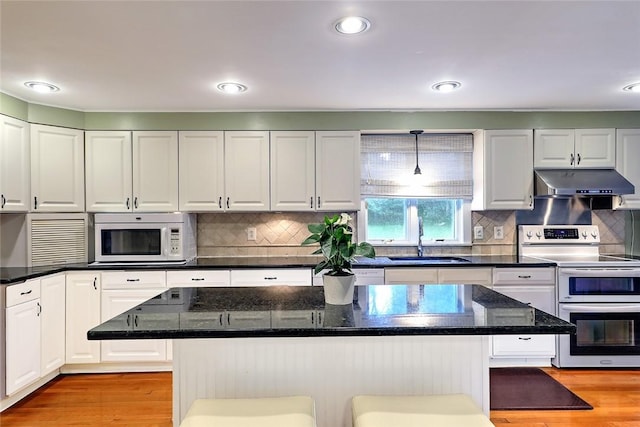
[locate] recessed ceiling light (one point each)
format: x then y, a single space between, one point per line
635 87
447 86
42 87
231 87
352 25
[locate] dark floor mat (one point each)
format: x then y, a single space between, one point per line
530 388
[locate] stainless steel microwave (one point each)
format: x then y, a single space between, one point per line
147 237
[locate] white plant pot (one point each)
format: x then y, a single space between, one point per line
338 290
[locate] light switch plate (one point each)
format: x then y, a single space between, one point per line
478 232
498 232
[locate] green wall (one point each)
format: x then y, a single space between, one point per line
320 120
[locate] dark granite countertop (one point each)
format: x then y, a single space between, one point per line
11 275
292 311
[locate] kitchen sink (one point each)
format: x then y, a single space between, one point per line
430 259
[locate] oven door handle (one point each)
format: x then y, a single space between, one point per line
600 308
598 272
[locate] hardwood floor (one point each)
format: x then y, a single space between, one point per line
144 400
132 399
614 395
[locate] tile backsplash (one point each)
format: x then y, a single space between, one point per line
280 234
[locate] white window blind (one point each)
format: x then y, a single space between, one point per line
389 160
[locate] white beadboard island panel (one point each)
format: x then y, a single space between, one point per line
329 369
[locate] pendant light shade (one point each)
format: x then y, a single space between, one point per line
417 132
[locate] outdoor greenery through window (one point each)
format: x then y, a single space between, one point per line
395 199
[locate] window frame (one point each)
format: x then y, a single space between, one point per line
462 217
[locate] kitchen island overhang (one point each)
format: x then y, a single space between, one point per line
278 341
300 311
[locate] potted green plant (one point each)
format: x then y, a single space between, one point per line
335 237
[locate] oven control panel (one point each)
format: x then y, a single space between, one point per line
559 234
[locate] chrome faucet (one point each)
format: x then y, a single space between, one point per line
420 234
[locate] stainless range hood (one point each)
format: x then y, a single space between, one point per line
581 182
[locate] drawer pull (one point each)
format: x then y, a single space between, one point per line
524 276
27 292
133 280
197 279
524 338
271 278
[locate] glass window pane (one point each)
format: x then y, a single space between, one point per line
438 218
386 219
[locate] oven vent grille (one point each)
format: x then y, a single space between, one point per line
58 241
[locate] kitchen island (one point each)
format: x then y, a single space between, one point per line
283 340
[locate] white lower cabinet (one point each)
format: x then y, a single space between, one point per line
83 313
272 276
198 278
535 287
23 330
430 275
122 291
53 322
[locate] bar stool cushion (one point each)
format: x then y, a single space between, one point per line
293 411
446 410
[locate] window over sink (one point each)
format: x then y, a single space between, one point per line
394 198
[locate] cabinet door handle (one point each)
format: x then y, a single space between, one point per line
35 202
197 279
579 158
318 205
4 201
135 202
311 202
524 338
220 319
39 309
133 280
530 200
128 204
227 202
26 292
572 159
128 320
220 202
229 319
135 321
523 276
95 279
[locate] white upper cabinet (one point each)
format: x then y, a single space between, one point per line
57 169
155 171
201 171
337 170
14 165
627 156
579 148
108 171
503 170
293 171
129 172
246 170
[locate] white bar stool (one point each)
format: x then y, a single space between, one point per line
293 411
443 410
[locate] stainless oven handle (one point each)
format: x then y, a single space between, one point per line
598 272
600 308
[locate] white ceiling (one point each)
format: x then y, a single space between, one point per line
169 55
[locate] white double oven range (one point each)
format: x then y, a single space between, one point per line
600 294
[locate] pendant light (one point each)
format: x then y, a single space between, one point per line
417 132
